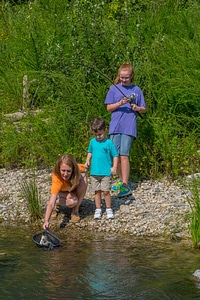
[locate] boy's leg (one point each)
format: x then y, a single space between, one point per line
106 186
97 198
96 187
107 198
109 211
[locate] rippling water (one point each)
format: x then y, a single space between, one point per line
96 266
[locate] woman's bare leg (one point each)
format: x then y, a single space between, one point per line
80 193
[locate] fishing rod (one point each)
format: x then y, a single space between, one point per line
132 97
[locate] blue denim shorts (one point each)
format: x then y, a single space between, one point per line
122 143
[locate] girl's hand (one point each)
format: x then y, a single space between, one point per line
134 107
124 101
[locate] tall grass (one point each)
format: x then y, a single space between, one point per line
64 47
194 202
31 194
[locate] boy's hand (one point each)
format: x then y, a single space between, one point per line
113 170
87 165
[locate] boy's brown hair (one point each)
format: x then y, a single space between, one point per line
98 124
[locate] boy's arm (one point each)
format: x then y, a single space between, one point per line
113 170
87 162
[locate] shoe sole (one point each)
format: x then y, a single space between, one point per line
120 196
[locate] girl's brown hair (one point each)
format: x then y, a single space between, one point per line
69 160
125 67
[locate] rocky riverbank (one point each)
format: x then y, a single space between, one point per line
154 208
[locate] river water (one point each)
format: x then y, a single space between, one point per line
96 266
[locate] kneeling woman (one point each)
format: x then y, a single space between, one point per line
68 188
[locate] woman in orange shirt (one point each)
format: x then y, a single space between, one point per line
68 188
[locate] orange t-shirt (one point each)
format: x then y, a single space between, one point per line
59 185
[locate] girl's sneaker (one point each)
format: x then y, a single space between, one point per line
97 214
117 186
124 191
109 213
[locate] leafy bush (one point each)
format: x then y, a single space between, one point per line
71 52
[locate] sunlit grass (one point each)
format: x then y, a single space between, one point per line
31 195
194 203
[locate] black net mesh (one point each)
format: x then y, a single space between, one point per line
46 239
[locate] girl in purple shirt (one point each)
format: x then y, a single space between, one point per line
123 124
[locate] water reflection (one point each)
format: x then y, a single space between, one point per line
96 266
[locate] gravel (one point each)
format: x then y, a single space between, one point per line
155 207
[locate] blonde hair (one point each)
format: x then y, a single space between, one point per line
125 67
69 160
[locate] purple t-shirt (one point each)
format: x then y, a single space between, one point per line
123 119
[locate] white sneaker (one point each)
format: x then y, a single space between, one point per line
109 213
97 214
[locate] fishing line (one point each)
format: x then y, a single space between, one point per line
101 73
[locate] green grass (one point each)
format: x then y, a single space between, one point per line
64 47
31 195
194 202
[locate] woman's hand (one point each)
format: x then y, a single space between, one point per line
46 225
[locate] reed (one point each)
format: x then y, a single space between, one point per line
194 202
31 194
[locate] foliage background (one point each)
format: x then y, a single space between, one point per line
68 48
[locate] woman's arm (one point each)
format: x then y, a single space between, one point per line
49 209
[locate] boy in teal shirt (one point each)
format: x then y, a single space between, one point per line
104 158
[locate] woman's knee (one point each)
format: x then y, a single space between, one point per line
71 200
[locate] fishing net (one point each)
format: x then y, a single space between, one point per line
46 240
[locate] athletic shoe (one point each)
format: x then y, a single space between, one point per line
109 213
117 186
97 213
55 212
75 217
124 191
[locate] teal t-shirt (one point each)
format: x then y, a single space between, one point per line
103 153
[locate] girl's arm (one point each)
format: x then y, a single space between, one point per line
114 106
140 109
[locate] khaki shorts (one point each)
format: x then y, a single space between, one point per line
101 183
